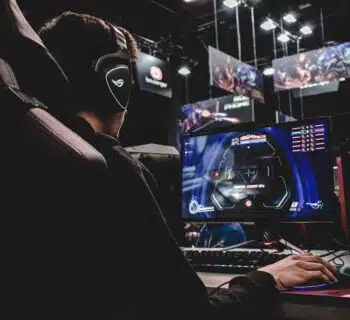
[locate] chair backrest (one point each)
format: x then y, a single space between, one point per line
36 70
54 184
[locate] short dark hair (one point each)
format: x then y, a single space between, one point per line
76 40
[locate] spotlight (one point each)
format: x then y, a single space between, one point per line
188 1
283 37
289 18
268 25
231 3
306 30
184 71
269 71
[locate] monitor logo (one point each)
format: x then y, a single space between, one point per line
156 73
119 83
193 207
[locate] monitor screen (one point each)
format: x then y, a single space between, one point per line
282 172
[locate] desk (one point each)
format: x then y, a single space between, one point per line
315 305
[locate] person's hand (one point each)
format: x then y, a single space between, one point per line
300 269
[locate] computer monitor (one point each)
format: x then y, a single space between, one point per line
281 173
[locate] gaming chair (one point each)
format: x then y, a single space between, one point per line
55 195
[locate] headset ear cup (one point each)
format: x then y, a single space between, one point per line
119 83
110 84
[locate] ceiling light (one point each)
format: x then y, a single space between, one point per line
268 25
269 71
283 37
306 30
305 6
184 71
289 18
188 0
231 3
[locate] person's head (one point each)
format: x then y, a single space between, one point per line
90 52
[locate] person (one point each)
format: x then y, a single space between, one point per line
142 272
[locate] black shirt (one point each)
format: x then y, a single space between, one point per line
151 277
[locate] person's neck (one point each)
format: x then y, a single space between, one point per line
110 124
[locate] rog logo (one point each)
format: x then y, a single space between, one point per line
119 83
156 73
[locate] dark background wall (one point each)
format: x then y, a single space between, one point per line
186 30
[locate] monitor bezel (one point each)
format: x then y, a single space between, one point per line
257 216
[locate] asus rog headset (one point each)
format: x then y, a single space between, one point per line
109 83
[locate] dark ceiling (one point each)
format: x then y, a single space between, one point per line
188 28
190 23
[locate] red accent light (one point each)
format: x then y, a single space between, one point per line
343 214
248 203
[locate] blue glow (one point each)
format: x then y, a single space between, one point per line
314 287
301 178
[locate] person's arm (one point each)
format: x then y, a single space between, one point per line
254 296
176 289
165 286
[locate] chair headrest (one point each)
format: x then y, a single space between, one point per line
38 73
12 23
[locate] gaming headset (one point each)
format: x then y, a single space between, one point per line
111 80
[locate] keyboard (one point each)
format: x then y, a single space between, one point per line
232 262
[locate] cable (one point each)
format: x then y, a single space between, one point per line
339 259
275 55
286 244
290 246
344 246
219 287
216 24
254 36
240 245
238 27
252 13
328 253
301 90
322 27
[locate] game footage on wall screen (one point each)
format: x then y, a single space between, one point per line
281 171
232 75
312 68
216 113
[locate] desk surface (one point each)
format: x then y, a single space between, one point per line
334 297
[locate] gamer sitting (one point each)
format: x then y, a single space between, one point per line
147 277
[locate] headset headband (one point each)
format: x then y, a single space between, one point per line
123 50
110 86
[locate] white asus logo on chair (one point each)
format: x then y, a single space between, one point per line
119 83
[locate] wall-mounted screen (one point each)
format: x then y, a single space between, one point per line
216 113
232 75
314 68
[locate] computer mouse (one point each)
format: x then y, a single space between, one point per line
342 274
